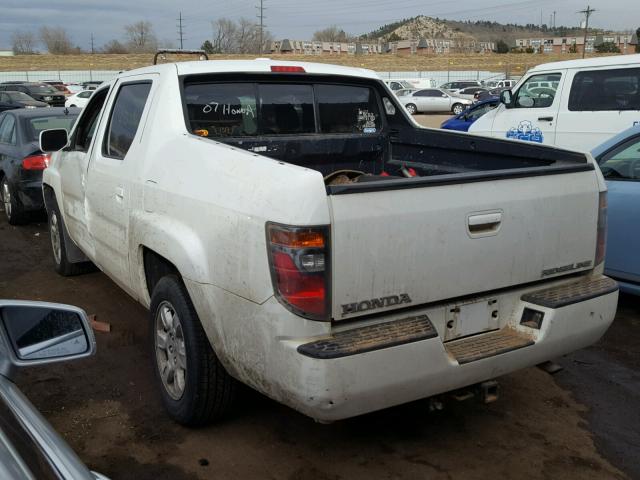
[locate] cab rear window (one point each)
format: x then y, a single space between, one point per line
221 109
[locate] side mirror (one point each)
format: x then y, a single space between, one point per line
506 98
36 333
53 140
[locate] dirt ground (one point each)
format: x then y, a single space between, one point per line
581 423
511 63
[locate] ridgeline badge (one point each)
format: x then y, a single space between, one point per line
374 303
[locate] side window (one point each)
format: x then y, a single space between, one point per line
3 97
125 118
347 109
8 130
538 91
286 109
622 163
88 122
601 90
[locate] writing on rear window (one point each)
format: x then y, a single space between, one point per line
220 109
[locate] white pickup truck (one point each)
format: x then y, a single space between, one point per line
289 226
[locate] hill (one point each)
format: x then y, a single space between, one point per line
428 27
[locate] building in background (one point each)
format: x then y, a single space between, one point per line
422 46
626 42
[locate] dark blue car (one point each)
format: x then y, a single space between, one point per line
22 161
463 121
619 160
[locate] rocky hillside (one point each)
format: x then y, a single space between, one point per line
423 26
417 27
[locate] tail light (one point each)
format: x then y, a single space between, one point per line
38 161
299 263
601 244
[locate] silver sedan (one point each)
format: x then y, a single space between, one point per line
434 100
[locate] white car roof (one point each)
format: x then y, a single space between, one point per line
589 62
251 66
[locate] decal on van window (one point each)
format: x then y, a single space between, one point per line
526 131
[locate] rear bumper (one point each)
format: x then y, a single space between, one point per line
337 387
30 195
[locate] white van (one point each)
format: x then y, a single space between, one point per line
576 104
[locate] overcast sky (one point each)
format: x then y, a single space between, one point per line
286 18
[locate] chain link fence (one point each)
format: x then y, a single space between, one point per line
80 76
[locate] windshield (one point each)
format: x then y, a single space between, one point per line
36 125
19 97
623 163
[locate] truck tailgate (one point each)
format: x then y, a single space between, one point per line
395 248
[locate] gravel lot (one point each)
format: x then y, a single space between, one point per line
584 422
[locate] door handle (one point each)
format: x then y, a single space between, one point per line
484 223
119 194
545 119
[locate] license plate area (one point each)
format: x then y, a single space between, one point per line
464 319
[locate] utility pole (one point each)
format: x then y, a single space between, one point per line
587 13
261 26
180 31
554 19
92 49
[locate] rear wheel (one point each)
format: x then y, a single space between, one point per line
457 109
195 387
11 204
411 108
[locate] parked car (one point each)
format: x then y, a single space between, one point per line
404 91
91 85
38 91
506 84
463 121
22 161
20 100
34 334
459 85
490 94
434 100
7 106
619 160
420 83
75 88
575 104
58 85
398 85
470 92
79 99
242 231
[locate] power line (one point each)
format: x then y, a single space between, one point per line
261 26
180 31
587 13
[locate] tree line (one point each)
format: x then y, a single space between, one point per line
138 37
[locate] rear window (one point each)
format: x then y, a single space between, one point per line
601 90
35 125
347 109
220 109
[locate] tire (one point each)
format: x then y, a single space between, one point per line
195 387
11 204
457 108
411 108
72 106
61 262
